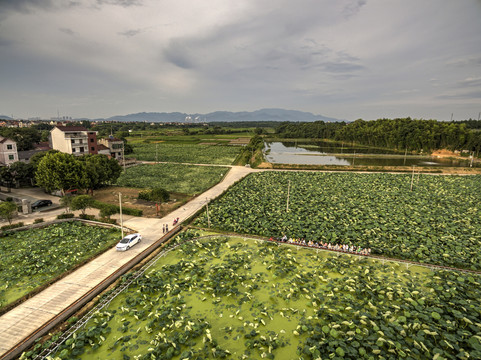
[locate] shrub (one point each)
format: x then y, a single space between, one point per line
12 226
38 221
156 194
106 210
65 216
132 211
81 202
108 220
144 195
87 217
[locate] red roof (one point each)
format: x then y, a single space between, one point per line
71 128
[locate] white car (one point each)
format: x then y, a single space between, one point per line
127 242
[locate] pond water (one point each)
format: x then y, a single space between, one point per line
325 153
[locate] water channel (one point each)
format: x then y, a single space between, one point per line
327 153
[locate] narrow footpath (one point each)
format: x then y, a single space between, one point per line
29 316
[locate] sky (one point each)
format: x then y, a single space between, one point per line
346 59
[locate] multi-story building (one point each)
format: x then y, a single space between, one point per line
115 146
8 151
76 140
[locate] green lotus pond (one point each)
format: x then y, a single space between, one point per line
238 298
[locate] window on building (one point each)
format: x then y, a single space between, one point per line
73 141
9 147
91 140
92 148
73 150
11 157
81 149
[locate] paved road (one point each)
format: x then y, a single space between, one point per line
24 319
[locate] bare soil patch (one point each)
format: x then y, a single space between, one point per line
110 195
239 141
444 153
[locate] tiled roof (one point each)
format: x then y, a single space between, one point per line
71 128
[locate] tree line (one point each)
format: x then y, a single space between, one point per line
400 134
53 170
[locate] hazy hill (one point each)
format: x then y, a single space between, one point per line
258 115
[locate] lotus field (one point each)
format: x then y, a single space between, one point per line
185 179
30 258
232 298
438 222
186 153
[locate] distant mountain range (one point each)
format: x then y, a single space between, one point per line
224 116
217 116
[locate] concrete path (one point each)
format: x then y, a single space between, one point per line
26 318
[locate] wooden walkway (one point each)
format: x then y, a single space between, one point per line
25 319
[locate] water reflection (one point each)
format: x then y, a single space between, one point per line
323 153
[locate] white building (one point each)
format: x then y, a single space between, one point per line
8 151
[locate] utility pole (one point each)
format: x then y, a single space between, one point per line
412 179
123 153
207 207
288 193
121 218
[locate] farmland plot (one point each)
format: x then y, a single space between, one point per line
33 257
185 179
186 153
243 299
438 222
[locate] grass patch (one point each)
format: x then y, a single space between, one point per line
185 153
179 178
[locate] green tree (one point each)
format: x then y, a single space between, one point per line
82 202
8 210
26 138
159 195
35 159
66 201
22 173
61 171
100 171
6 177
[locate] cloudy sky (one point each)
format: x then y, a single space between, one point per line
346 59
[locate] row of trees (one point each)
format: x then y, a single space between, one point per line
64 172
414 135
54 170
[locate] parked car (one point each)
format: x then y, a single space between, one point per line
41 203
127 242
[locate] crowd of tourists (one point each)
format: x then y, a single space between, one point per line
319 244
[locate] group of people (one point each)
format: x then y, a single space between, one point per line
165 227
319 244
